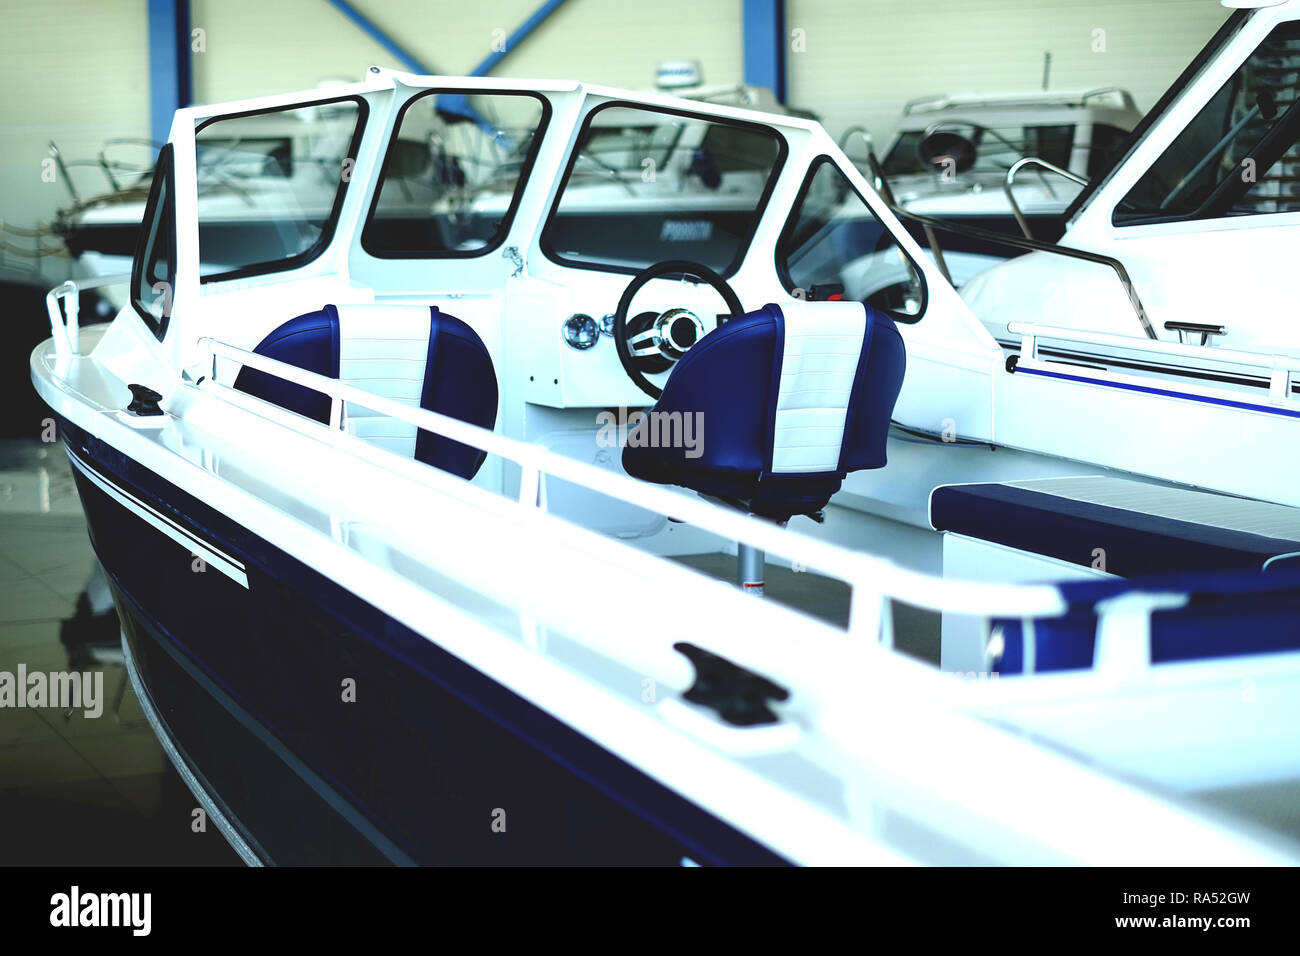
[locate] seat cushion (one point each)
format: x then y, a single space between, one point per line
311 342
786 400
1141 528
1226 614
412 354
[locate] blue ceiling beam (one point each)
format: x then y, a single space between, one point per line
455 103
764 44
368 27
170 81
527 27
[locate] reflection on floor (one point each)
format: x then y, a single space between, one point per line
916 631
74 790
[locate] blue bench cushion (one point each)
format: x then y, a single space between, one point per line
1227 614
1142 528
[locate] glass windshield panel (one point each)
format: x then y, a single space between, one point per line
453 174
648 186
834 239
1104 151
270 185
1240 155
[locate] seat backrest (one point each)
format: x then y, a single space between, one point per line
790 398
412 354
797 389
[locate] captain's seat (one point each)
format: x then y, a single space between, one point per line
413 354
790 399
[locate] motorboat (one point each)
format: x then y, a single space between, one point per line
1209 187
951 155
502 541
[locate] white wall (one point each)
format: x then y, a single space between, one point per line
258 47
72 71
865 58
76 71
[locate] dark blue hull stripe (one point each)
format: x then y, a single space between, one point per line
294 625
327 792
1204 399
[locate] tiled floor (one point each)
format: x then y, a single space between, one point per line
74 790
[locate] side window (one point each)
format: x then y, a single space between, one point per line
1240 155
271 184
1103 151
1052 143
833 238
153 271
453 174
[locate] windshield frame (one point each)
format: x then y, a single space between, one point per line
760 210
310 254
521 184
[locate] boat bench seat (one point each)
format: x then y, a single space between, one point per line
1235 561
1141 528
1224 614
413 354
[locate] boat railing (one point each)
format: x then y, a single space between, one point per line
1009 182
1281 366
63 304
930 224
873 580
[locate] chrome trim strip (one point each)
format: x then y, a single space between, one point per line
196 546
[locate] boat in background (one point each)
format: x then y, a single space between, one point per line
951 157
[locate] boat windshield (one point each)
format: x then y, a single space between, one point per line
271 184
1241 154
648 185
453 174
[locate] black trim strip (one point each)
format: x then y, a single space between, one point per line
164 179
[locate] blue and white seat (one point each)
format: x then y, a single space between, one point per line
413 354
790 398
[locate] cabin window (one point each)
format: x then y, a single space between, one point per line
834 239
1104 150
270 185
453 175
1240 155
647 185
153 270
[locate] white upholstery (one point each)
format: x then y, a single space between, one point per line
383 349
823 342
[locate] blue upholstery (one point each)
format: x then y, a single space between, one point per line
459 380
731 378
1134 542
1227 615
310 342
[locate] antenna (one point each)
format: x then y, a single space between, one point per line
1047 68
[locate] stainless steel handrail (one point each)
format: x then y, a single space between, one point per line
1011 179
929 223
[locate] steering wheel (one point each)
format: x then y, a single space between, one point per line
654 341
